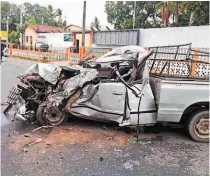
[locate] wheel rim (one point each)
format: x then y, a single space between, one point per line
201 128
53 115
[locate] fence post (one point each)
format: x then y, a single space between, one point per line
74 39
18 47
39 53
10 49
67 54
91 39
28 48
193 65
81 52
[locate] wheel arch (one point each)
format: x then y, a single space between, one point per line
193 108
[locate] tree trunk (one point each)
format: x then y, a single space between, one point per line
22 39
192 19
173 19
177 13
165 23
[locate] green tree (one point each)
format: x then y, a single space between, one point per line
14 37
120 14
184 13
198 12
149 13
171 9
31 21
59 13
64 23
48 15
163 8
96 23
12 11
20 29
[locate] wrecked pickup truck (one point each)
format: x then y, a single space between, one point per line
128 85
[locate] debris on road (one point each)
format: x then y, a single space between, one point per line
15 132
145 142
42 127
101 158
68 135
4 104
24 149
117 150
135 162
128 165
27 135
26 146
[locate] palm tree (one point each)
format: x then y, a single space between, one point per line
163 8
169 9
59 12
96 23
50 8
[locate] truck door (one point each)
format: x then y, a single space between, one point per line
111 100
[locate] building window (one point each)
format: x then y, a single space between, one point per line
31 39
26 38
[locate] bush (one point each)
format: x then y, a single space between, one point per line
14 37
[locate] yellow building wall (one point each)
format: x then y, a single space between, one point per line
73 28
3 35
30 32
87 39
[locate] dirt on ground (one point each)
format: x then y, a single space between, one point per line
53 137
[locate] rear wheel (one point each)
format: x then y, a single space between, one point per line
51 116
198 126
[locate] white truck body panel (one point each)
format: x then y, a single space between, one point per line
173 96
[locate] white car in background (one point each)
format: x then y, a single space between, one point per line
6 52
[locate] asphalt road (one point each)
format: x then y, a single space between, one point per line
82 147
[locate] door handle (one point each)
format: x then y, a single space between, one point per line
116 93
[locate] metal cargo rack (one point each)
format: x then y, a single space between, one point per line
179 61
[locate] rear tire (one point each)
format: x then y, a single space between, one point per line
198 126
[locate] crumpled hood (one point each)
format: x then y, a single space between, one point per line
49 72
75 82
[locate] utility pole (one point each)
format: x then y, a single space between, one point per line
83 24
134 14
7 42
21 17
21 23
42 20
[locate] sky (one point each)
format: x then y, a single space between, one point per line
73 10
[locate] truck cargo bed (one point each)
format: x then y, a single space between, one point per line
174 95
